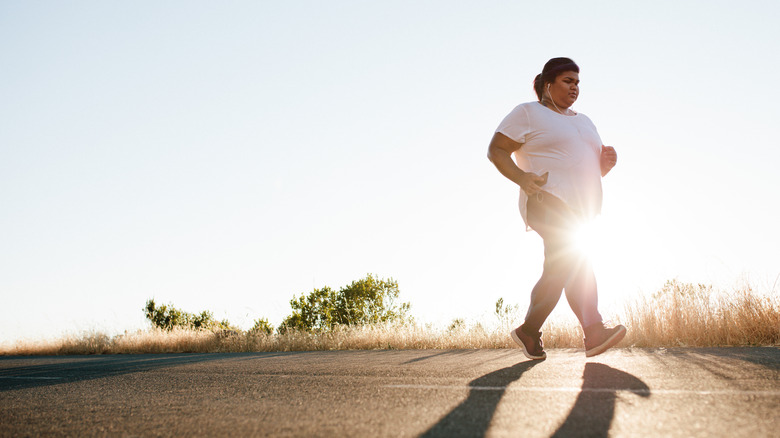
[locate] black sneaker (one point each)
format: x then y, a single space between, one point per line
532 344
599 339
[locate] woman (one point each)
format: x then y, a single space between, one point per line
560 162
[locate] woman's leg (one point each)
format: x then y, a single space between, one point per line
582 292
544 217
564 266
545 295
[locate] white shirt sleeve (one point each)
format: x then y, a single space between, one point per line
516 125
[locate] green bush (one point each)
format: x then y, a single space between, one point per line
262 326
168 317
369 300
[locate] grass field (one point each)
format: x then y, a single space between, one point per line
678 315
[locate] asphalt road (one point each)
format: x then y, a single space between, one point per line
732 392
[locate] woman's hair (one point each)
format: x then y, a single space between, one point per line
550 72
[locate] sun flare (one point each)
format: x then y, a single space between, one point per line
588 238
595 241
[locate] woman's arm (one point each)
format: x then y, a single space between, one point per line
500 153
608 159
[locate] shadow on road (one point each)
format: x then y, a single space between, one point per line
61 370
722 361
427 357
594 409
472 417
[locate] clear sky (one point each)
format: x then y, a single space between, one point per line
229 155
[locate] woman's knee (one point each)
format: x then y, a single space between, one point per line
558 255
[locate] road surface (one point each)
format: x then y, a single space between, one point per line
732 392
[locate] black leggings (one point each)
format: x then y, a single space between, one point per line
565 266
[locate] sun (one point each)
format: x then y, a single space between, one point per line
601 244
588 239
623 254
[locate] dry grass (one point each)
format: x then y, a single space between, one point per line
678 315
202 341
700 316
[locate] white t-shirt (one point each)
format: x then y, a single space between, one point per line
569 147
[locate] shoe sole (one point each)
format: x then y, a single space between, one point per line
609 343
525 351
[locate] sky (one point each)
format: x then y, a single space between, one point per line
229 156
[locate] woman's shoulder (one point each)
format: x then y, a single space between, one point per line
524 109
536 110
529 106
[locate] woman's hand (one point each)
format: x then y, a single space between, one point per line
608 159
531 183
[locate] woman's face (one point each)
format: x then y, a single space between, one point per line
565 89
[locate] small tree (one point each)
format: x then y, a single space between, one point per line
313 311
369 300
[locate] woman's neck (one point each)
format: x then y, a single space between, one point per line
549 103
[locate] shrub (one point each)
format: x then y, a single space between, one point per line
262 326
168 317
366 301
